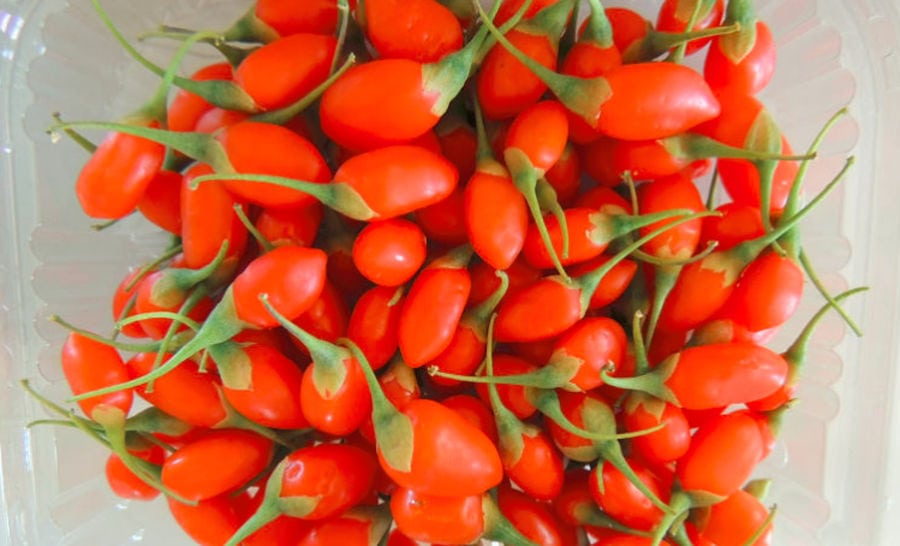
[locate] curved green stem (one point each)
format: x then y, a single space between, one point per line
664 280
642 256
641 364
795 355
169 315
283 115
343 16
832 300
264 243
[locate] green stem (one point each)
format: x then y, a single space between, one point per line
264 243
484 153
169 253
283 115
832 301
796 353
76 137
481 313
678 54
664 280
109 223
169 315
748 250
189 303
344 16
52 422
580 95
791 241
338 196
113 422
632 192
641 364
642 256
590 281
611 452
525 178
155 108
679 504
221 325
53 407
129 347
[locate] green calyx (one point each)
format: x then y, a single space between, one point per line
599 30
676 512
608 227
394 434
456 258
445 78
500 529
154 420
652 382
738 45
550 21
330 362
250 28
171 288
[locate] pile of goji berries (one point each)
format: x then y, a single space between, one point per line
440 275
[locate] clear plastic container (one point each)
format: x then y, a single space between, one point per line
835 474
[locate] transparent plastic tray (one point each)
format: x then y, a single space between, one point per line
836 476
